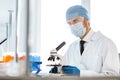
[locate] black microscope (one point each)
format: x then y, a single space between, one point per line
55 58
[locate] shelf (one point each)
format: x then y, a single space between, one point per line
53 77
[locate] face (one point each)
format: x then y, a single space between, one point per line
84 21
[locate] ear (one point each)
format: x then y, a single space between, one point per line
86 23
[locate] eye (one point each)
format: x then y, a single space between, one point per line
76 21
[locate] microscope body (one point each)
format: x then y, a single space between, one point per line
55 60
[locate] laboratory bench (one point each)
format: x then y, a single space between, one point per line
54 77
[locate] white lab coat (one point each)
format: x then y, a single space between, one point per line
99 58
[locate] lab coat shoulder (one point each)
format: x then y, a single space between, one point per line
73 46
104 41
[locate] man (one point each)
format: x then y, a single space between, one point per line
93 54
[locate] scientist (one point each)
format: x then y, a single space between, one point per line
93 54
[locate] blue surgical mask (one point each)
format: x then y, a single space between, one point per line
78 29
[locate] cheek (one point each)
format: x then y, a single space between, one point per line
86 24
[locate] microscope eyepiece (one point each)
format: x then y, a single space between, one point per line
60 46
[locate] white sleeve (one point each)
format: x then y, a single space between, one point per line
110 60
89 73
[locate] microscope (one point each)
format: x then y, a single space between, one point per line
55 58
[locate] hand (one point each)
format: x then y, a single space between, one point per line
70 70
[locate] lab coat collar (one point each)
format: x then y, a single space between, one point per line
88 36
97 35
91 36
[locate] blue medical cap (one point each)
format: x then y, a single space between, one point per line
76 11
